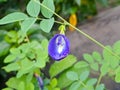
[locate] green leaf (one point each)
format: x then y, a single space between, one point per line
27 23
26 66
107 55
40 62
53 82
3 33
4 48
33 8
91 82
30 86
78 2
72 75
75 86
41 50
21 86
12 36
63 81
29 77
13 83
114 62
7 89
88 58
62 65
94 66
9 58
97 56
50 5
25 47
81 64
25 26
100 87
104 69
12 67
116 47
87 88
57 89
117 70
84 75
13 17
44 44
46 24
117 77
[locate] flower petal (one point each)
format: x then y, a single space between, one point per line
59 47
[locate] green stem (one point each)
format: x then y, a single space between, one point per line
83 33
83 84
99 80
27 39
54 21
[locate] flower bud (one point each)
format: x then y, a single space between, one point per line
59 47
40 81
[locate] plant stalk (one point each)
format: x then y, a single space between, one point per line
99 80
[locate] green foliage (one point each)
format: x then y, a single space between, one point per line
27 58
88 58
33 8
26 24
19 84
46 13
100 87
60 66
91 82
75 85
84 75
72 75
97 56
64 81
4 48
24 51
81 64
18 16
47 22
53 85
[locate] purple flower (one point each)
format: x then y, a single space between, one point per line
40 81
59 47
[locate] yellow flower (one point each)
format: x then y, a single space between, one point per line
73 21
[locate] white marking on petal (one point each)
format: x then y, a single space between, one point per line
60 42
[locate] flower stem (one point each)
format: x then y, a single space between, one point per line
83 84
83 33
99 80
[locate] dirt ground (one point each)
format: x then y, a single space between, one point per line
105 28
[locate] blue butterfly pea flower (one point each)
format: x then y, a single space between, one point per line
59 47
